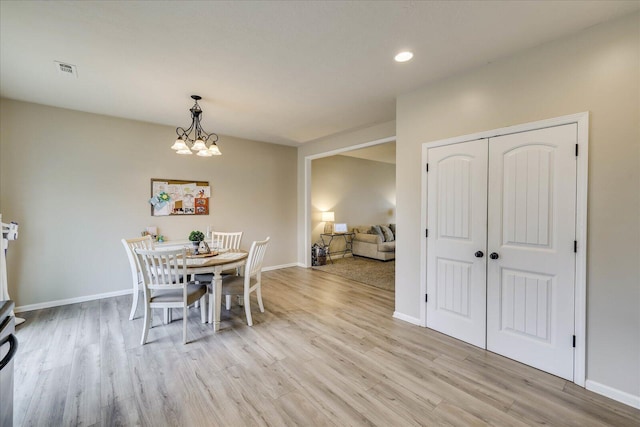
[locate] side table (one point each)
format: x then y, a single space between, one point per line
348 237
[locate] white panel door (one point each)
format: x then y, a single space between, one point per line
457 224
531 233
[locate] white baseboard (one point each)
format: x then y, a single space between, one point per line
410 319
278 267
613 393
60 302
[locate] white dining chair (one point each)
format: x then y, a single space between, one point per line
166 285
226 240
130 245
250 281
223 240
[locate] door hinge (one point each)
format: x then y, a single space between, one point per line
426 297
574 341
427 167
426 232
576 150
575 246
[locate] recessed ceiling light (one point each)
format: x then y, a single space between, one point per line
404 56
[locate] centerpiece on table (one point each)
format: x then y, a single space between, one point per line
200 246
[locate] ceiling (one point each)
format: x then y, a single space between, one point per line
277 71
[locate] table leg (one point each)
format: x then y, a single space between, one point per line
215 298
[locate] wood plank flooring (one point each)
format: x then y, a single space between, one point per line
325 353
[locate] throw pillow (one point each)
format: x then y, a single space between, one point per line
388 234
393 229
376 230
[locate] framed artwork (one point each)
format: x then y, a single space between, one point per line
179 197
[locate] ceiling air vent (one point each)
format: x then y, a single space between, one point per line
65 69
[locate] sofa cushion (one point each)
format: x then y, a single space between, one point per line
369 238
393 229
388 234
375 229
387 247
361 228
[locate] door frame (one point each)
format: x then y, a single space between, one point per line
307 186
580 315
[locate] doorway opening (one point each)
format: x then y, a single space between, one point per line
349 191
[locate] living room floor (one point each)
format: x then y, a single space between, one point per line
380 274
325 352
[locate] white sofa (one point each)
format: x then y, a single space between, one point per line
372 245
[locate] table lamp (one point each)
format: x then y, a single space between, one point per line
328 218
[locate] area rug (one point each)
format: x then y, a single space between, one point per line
381 274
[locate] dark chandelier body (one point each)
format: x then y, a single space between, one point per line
194 138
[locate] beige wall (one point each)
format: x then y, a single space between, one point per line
598 71
77 183
358 191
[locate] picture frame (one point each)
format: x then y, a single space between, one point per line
172 197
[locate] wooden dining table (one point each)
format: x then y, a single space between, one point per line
227 259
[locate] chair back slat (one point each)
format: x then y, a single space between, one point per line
130 245
226 240
256 257
166 269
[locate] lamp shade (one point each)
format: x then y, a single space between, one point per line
199 145
328 216
179 145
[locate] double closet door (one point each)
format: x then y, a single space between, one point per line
500 248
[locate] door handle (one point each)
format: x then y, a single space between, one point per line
494 255
479 254
13 347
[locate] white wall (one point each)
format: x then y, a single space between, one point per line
358 191
77 183
597 70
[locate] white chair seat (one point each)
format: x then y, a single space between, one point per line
208 278
234 285
194 292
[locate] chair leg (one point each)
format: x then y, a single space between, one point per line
259 296
185 313
166 316
134 303
203 308
147 322
210 307
228 302
247 308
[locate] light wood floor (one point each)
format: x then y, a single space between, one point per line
325 352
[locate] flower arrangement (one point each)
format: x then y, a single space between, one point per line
196 236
